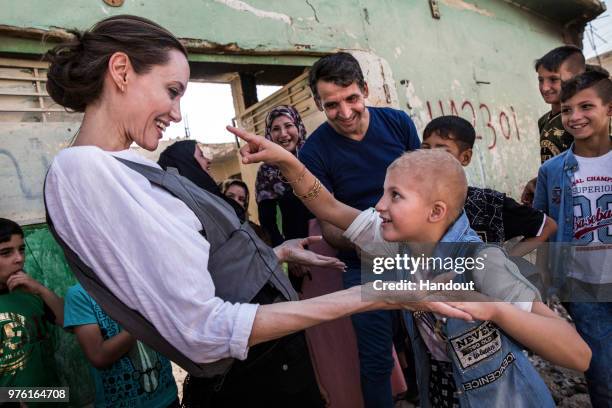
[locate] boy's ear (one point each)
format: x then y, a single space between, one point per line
610 109
438 211
465 157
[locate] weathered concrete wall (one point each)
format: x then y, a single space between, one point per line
475 61
604 60
26 151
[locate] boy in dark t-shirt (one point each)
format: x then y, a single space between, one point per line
492 214
26 309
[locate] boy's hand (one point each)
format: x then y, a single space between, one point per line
26 282
258 148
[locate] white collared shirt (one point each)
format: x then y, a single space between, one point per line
145 246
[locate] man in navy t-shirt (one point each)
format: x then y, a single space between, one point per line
349 154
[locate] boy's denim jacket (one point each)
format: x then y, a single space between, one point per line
490 369
554 196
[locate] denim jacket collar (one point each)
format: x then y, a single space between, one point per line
570 163
460 231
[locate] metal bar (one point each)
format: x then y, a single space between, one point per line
18 78
33 110
23 93
40 99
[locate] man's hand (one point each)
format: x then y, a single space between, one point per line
529 192
26 282
295 251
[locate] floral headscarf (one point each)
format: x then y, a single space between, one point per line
269 185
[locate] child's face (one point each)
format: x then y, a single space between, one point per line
402 208
585 115
549 84
11 257
434 141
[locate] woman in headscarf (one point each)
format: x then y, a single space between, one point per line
284 127
183 156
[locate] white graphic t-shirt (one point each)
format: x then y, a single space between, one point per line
592 198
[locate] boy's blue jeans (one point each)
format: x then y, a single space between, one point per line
594 323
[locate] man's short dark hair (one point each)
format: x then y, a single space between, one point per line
340 68
452 128
8 228
553 59
597 80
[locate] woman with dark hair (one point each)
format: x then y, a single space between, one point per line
238 191
284 127
128 74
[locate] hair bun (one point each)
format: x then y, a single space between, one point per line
65 73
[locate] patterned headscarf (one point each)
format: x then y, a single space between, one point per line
269 185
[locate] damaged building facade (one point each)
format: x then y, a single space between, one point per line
429 58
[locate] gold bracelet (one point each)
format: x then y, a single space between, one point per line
284 180
314 191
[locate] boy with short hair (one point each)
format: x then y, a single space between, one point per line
492 214
126 372
555 67
455 361
26 308
575 188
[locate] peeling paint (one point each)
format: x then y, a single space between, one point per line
418 111
463 5
243 6
398 52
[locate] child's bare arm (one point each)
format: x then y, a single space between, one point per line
323 205
540 330
103 353
527 245
31 285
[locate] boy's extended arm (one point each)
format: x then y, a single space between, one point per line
322 204
103 353
540 330
527 245
31 285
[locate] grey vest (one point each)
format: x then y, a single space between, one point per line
240 265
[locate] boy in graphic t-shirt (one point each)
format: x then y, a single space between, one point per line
556 66
27 310
126 372
575 188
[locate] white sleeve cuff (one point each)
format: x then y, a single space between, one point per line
239 342
363 221
542 226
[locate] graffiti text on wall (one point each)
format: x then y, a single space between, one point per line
503 124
